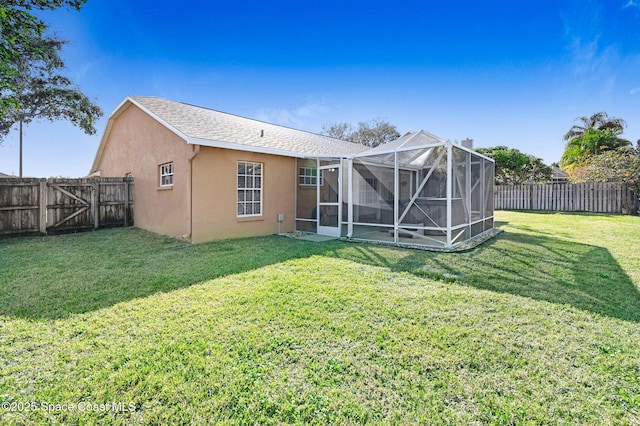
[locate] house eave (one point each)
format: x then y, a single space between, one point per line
259 149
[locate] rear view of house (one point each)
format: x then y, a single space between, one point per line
203 175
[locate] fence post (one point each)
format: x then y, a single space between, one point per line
42 207
531 197
95 199
126 202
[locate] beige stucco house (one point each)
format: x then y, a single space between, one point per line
203 175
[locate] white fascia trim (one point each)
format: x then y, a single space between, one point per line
157 118
258 149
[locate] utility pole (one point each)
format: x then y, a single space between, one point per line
20 175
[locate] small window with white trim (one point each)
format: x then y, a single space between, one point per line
166 175
308 176
249 189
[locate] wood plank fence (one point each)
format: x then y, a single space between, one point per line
583 197
44 206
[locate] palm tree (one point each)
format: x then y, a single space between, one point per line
598 121
597 133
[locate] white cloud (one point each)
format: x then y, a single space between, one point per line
631 3
279 116
312 110
634 91
583 29
295 117
595 63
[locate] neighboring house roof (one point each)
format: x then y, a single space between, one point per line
557 174
2 175
207 127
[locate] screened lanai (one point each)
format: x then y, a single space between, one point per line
419 190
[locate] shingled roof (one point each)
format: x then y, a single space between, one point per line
204 126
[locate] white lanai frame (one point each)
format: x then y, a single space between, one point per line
419 190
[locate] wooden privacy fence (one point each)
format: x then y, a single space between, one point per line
583 197
32 205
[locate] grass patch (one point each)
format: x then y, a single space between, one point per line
540 325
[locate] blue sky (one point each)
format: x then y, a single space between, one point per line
501 72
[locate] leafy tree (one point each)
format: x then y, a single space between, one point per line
618 165
338 131
513 167
372 133
31 85
597 133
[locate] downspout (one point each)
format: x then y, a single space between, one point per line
349 198
195 151
396 198
295 196
449 191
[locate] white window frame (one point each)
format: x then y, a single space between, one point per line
166 174
307 176
250 184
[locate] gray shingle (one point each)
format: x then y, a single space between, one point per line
215 126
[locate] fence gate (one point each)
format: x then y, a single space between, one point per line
69 206
61 205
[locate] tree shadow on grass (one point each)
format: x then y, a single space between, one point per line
540 267
57 276
54 277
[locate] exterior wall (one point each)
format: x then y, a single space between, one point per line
137 145
307 201
215 195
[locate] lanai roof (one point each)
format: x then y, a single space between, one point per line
414 149
409 140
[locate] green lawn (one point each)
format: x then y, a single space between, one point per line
540 325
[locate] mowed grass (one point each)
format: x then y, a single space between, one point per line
539 326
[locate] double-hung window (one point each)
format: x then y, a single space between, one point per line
249 189
308 176
166 175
